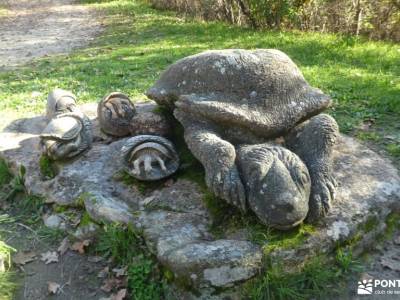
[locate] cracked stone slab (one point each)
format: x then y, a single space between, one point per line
174 220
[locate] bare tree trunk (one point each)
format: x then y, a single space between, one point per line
357 17
246 11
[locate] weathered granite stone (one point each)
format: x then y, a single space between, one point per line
227 98
218 263
86 231
149 122
175 221
54 221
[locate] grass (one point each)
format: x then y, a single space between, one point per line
362 76
47 167
317 279
127 249
7 277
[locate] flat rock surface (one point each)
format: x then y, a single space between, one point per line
33 29
174 219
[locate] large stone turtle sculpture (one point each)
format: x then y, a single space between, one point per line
66 136
233 105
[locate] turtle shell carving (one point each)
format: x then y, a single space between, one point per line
66 136
260 91
59 102
115 113
149 157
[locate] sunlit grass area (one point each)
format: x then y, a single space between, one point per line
361 76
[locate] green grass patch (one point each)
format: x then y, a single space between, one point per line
8 285
5 174
126 247
47 167
139 43
394 149
318 278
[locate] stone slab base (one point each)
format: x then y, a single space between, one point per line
174 219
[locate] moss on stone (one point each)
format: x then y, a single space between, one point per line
86 219
80 201
370 224
392 224
47 167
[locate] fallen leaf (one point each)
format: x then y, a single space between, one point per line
21 258
64 246
120 295
49 257
111 283
120 271
53 287
103 273
80 246
95 259
169 182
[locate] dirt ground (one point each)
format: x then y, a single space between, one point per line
32 29
29 30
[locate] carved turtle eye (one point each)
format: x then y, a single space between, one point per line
304 177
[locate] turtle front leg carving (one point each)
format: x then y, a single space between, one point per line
313 142
147 160
218 158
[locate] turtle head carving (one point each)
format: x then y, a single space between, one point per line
277 183
115 113
59 102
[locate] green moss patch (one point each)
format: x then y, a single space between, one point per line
47 167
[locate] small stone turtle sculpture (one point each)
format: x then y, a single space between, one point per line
233 105
66 135
59 102
115 113
150 157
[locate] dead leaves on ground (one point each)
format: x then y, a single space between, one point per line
80 246
119 272
118 296
49 257
64 246
23 257
113 283
53 287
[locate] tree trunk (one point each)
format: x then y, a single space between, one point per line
246 11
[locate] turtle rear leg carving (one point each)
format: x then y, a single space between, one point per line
313 142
